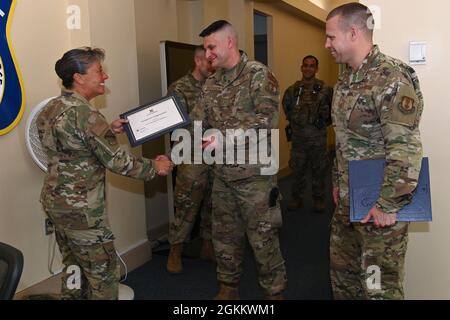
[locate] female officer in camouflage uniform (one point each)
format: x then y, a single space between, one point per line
80 145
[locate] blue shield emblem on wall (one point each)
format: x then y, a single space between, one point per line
12 96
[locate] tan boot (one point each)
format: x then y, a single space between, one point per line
227 292
207 251
174 263
275 297
294 204
319 204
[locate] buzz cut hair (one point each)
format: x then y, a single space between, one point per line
214 27
199 49
354 13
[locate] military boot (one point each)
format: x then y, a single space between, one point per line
227 292
278 296
319 204
294 204
207 251
174 263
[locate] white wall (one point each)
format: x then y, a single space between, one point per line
428 261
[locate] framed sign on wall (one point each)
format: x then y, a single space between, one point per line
12 95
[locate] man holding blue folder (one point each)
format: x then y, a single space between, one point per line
376 112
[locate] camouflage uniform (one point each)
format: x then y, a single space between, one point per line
376 113
244 97
307 108
79 144
194 181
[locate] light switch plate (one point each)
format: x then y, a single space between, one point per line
417 52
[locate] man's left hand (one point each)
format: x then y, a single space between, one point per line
380 218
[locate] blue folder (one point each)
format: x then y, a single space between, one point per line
365 180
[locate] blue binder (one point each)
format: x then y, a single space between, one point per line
365 180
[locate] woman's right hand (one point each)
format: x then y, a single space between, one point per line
163 165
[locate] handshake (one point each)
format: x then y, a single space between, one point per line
163 165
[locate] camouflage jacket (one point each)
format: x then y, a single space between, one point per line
243 97
307 107
80 144
376 113
188 90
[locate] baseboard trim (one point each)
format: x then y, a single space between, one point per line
137 255
134 257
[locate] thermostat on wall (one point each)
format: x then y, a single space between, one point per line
417 52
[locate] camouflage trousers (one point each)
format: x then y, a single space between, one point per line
305 153
91 271
367 262
192 194
242 208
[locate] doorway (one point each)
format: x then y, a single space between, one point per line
260 23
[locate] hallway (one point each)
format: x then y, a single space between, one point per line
304 240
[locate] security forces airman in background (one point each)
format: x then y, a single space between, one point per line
80 144
242 94
307 106
377 106
194 181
